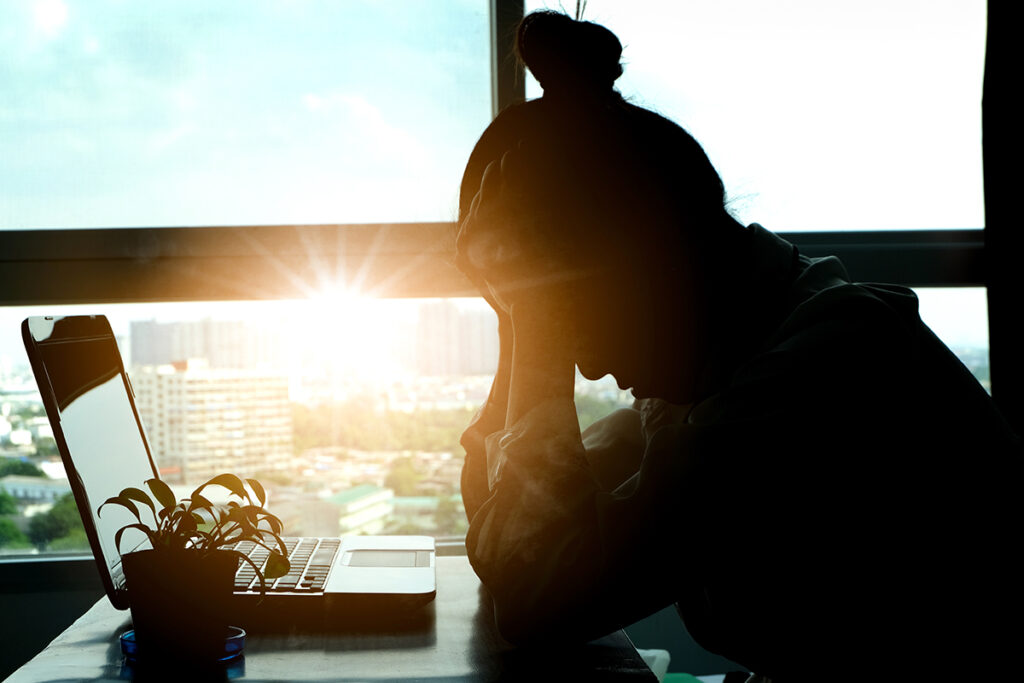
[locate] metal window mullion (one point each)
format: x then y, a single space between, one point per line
926 258
1001 149
399 260
508 79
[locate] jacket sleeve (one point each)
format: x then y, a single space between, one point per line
563 558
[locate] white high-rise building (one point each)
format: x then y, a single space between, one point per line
452 341
478 339
203 421
223 343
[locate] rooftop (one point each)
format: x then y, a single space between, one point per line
355 493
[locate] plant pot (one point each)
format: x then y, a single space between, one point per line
179 603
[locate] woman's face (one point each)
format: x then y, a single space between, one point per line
639 327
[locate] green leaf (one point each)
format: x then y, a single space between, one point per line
275 524
203 535
252 513
259 574
261 494
277 565
248 528
184 521
123 502
140 496
140 527
187 524
280 543
202 539
243 524
200 502
162 492
220 516
228 481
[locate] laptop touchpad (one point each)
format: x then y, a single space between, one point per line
387 558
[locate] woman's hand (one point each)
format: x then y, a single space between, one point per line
475 243
502 246
498 241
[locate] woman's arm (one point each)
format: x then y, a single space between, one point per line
543 367
542 540
489 419
534 365
564 559
491 252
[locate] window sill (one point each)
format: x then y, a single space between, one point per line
77 571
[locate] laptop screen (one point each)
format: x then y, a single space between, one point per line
105 445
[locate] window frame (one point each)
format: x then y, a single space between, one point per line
122 265
250 262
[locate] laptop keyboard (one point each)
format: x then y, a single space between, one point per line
310 559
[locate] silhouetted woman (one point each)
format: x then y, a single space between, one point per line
809 474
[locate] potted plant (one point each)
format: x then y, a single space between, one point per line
179 588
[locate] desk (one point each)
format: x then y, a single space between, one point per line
457 642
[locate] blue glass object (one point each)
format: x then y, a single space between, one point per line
234 645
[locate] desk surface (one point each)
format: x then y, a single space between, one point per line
457 642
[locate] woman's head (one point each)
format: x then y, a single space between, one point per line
620 197
596 155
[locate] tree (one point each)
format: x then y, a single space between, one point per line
590 409
448 519
19 467
10 534
46 447
403 478
357 424
59 521
76 539
8 505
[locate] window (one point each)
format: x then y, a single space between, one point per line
317 147
337 405
308 125
959 317
818 115
238 113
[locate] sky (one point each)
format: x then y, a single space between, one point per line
818 115
190 112
837 115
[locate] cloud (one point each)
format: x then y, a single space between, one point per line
363 129
49 17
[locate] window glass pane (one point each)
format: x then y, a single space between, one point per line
818 115
331 403
190 112
959 317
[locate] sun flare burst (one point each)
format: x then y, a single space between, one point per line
350 335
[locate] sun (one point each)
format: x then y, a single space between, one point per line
350 335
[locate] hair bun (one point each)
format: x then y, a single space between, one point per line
568 55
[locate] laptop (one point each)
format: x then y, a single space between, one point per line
90 403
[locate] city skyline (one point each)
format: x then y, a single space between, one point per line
362 336
957 315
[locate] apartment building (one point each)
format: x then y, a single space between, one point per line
202 421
